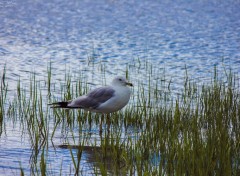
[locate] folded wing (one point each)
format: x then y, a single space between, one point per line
90 101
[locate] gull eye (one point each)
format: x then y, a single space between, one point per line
120 79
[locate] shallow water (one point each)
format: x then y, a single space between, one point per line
87 36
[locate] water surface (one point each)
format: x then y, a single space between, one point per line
87 36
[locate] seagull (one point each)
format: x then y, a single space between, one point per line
103 100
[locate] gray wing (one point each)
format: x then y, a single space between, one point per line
94 98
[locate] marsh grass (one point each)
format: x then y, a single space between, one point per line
195 132
3 95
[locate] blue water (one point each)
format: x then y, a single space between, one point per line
172 35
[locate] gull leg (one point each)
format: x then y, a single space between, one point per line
100 125
108 123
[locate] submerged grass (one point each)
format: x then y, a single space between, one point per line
195 132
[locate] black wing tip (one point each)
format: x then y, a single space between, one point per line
62 104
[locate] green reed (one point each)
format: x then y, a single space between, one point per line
195 132
196 135
3 95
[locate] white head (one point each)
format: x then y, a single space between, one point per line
119 80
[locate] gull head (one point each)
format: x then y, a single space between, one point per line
121 81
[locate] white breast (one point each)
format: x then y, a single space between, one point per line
120 99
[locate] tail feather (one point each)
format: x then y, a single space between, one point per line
62 104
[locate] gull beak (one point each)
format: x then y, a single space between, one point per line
129 84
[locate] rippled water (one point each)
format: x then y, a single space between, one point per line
172 35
